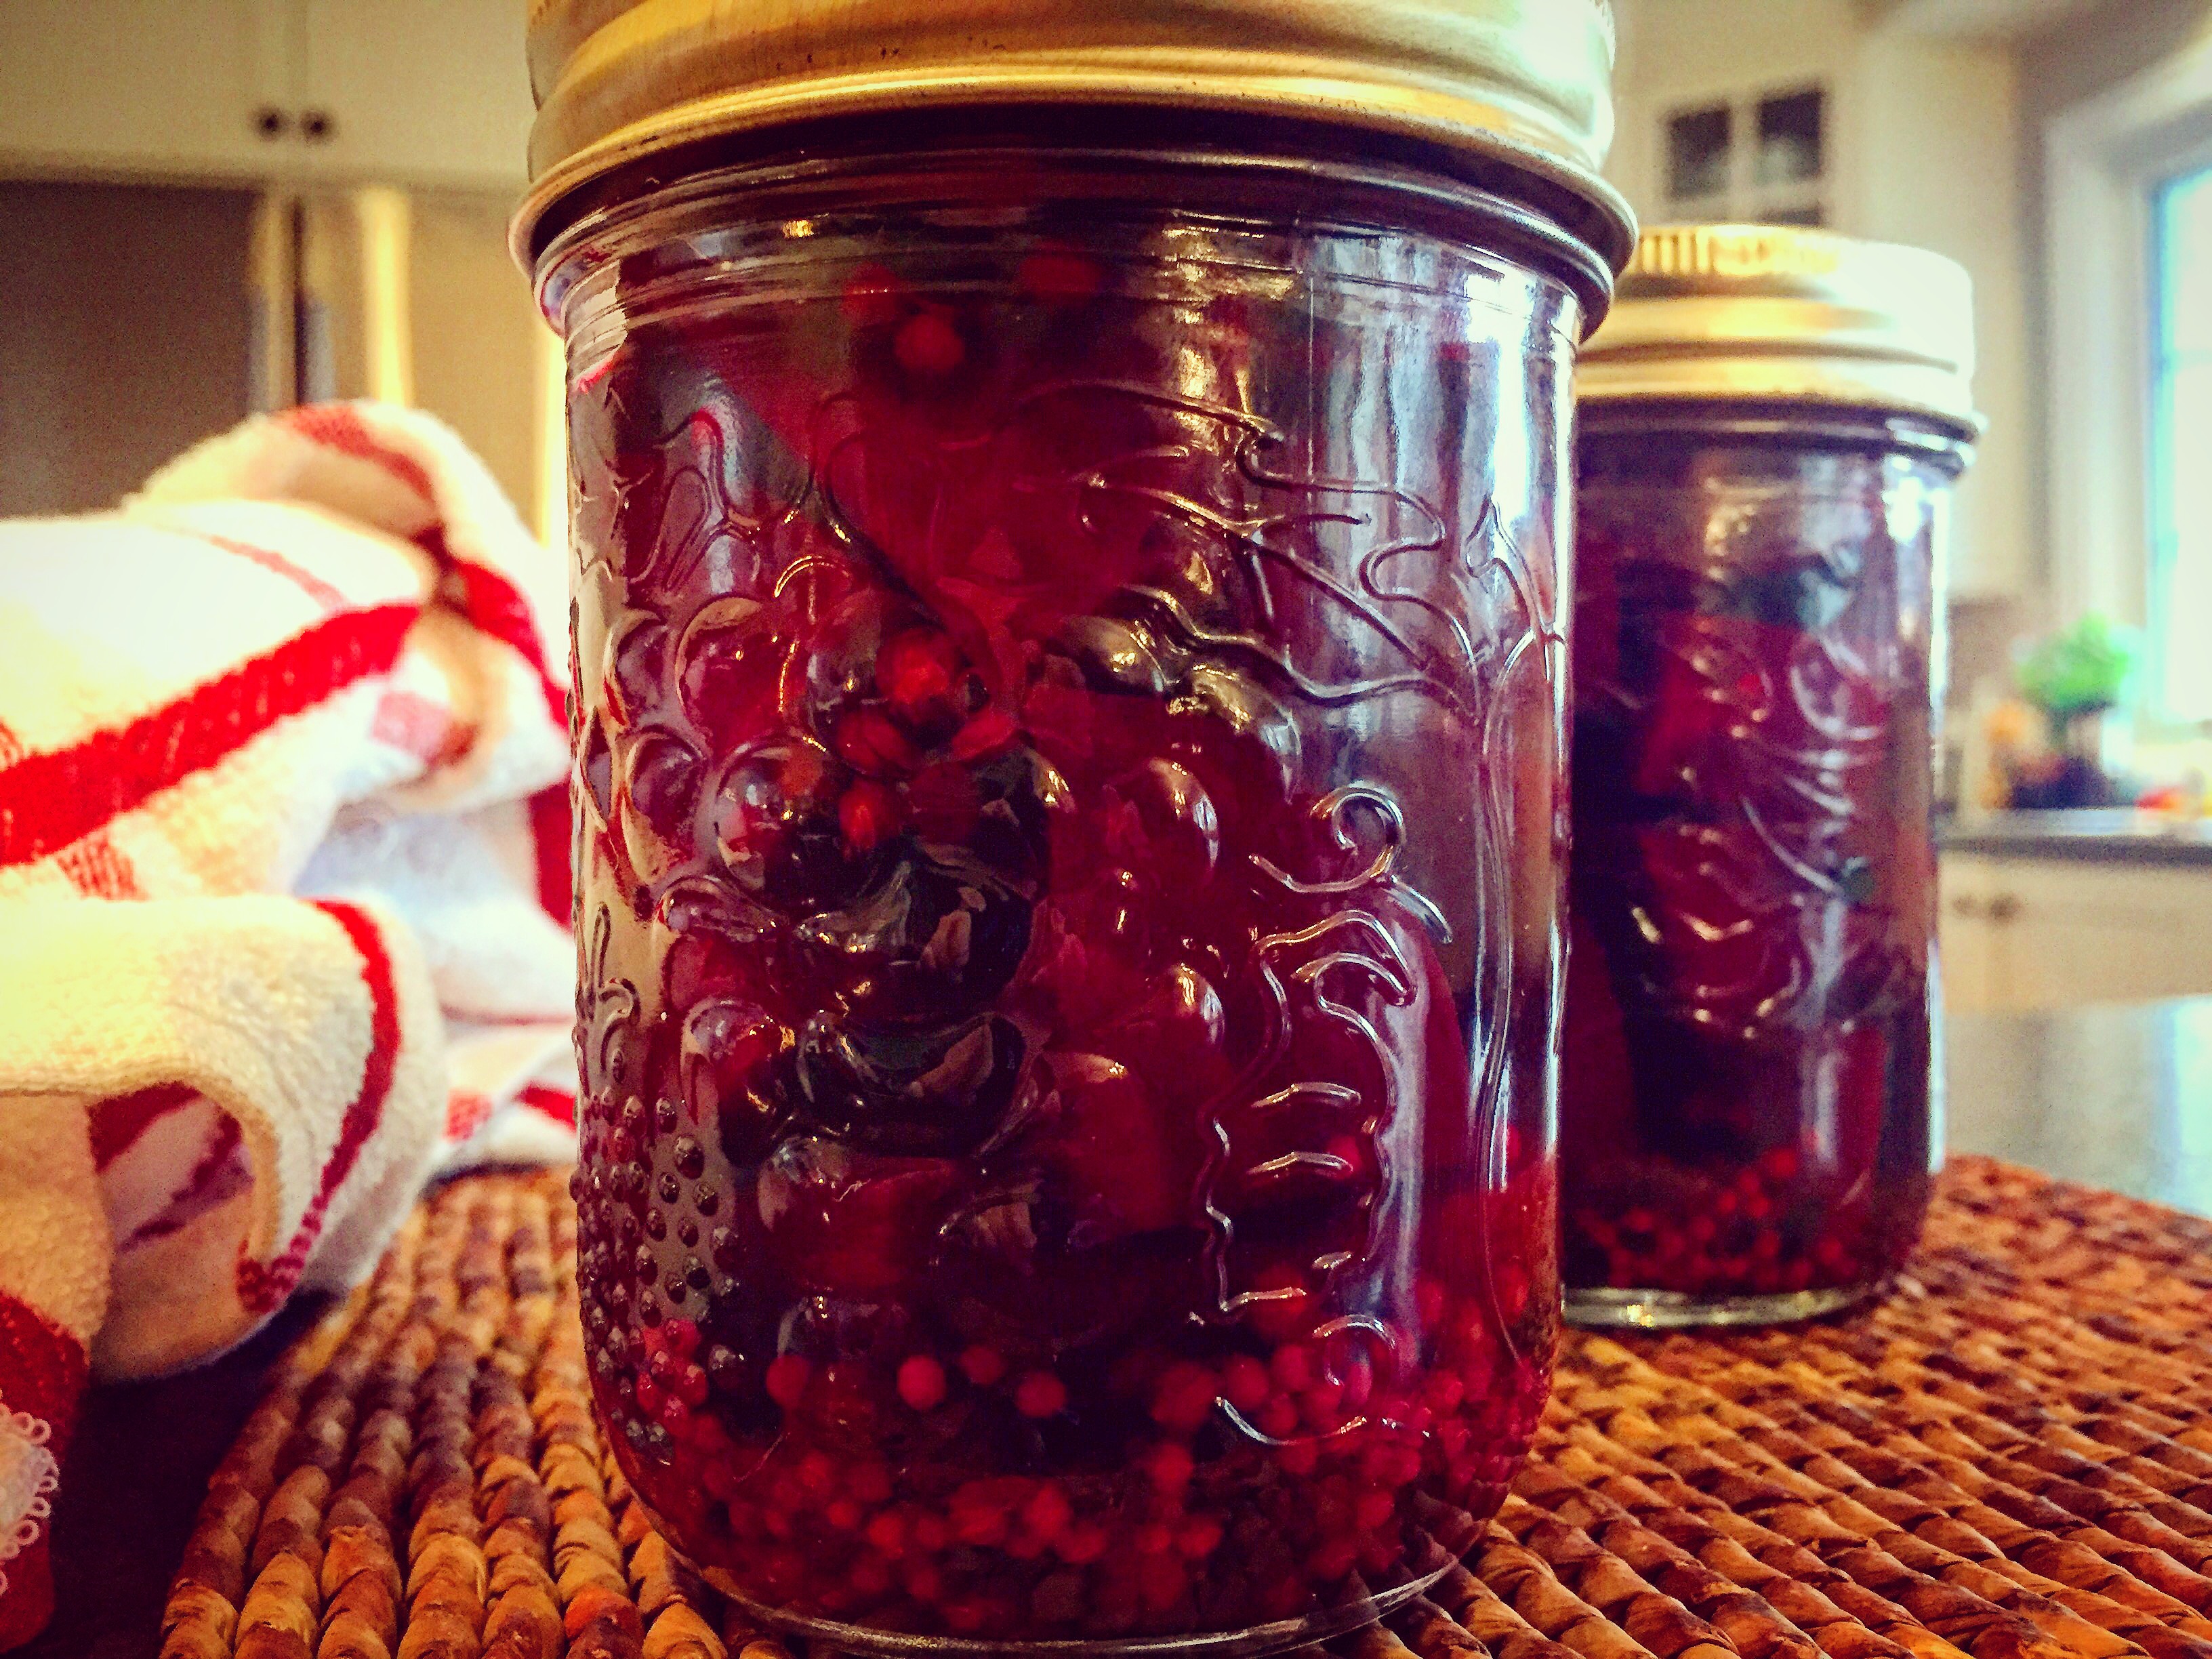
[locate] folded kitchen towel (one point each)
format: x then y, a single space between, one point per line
283 898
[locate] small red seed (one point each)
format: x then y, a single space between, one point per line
1183 1397
1040 1395
1170 1466
921 1382
983 1366
872 297
886 1534
787 1379
1081 1544
928 344
1292 1367
1244 1383
1048 1514
1199 1540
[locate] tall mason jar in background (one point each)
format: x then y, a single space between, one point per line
1070 510
1772 422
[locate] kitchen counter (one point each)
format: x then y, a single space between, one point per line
2108 837
2118 1096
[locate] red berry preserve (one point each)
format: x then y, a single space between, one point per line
1071 808
1771 426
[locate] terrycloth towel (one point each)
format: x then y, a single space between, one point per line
283 898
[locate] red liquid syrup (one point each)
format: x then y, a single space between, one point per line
1745 1104
1067 1152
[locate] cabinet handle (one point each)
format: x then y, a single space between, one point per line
270 122
317 127
1965 906
2004 907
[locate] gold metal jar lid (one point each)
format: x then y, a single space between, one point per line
1526 82
1771 314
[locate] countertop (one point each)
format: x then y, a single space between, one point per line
2118 1096
2115 1095
2103 837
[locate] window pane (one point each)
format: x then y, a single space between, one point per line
2181 528
2184 214
1698 143
1789 147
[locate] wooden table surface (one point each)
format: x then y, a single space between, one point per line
2117 1097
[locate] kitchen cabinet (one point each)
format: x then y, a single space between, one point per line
1829 113
387 91
187 88
2030 933
418 90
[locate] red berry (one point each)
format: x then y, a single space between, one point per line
887 1532
1081 1544
921 1382
1293 1367
928 345
869 815
1183 1397
1170 1466
787 1377
1047 1515
1040 1393
1059 276
917 669
982 1366
1244 1383
874 297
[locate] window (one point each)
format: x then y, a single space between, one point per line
2181 438
1760 159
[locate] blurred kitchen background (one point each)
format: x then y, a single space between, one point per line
212 206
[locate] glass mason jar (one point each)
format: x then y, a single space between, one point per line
1771 425
1070 806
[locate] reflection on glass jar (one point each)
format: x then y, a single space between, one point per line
1070 689
1747 1095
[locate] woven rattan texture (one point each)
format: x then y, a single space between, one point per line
2009 1459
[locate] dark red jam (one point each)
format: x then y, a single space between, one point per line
1069 799
1746 1095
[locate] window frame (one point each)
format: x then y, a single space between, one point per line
2103 160
2160 453
1744 199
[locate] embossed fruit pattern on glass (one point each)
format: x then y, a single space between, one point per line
1746 1095
1071 803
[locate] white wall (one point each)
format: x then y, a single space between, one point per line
1926 150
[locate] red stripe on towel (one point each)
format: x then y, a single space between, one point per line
307 581
336 426
118 1121
48 801
261 1286
549 833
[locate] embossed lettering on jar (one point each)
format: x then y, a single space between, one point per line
1070 811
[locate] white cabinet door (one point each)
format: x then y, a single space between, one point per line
2028 933
2078 933
121 86
418 91
1967 934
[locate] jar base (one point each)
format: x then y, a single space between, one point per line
1232 1644
1603 1308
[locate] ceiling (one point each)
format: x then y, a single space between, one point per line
1982 18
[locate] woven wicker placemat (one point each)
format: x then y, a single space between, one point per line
2011 1458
